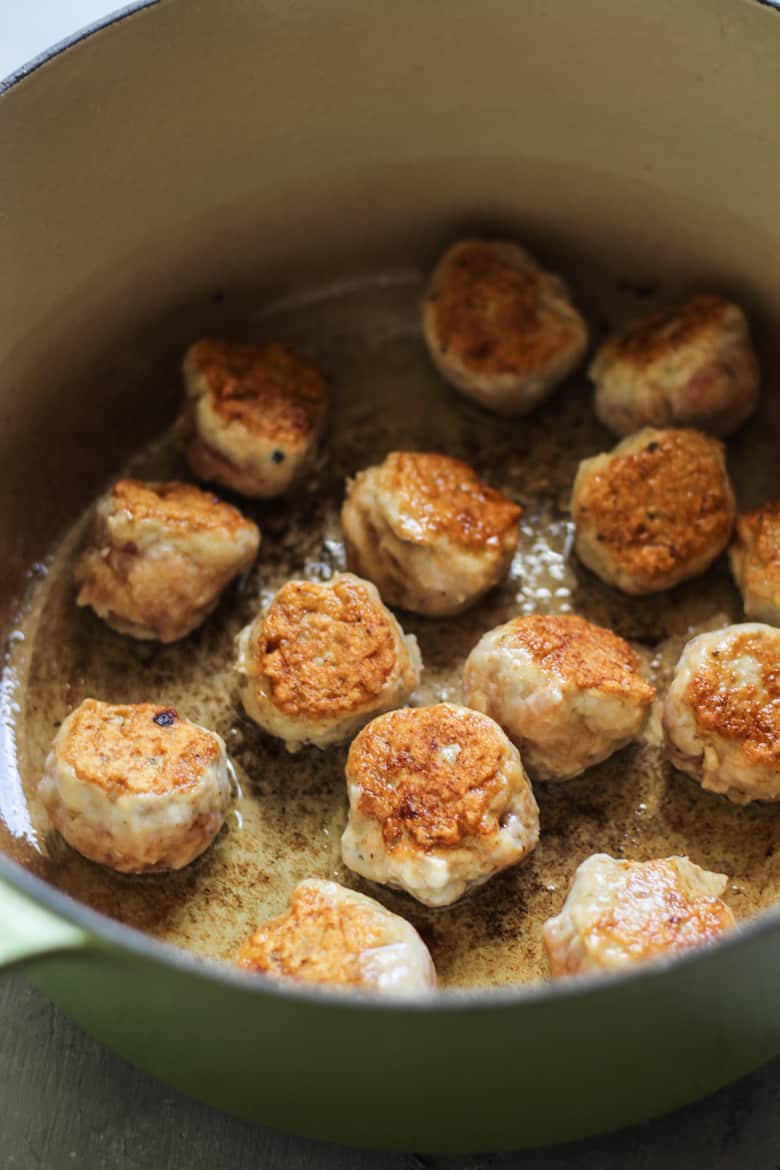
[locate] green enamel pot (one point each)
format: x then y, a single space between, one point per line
472 1072
187 146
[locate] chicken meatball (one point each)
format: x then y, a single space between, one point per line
619 913
159 556
135 787
655 511
687 365
567 693
431 536
500 328
252 415
323 659
721 716
334 936
438 802
755 562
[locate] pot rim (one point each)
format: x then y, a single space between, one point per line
102 929
80 34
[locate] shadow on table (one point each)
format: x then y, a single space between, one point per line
68 1104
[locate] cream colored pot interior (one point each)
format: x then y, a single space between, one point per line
294 174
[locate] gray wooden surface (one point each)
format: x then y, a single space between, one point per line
66 1103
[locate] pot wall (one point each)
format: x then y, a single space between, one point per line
455 1079
182 154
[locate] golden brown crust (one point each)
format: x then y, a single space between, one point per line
759 531
267 389
675 921
749 712
584 654
180 505
325 649
318 940
663 505
656 334
432 774
492 315
136 748
438 496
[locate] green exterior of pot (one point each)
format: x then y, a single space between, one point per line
195 145
463 1075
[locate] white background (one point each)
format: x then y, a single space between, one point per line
28 27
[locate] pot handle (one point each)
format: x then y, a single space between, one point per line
29 931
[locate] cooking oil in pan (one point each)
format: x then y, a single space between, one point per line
290 810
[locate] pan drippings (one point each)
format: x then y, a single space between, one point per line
290 810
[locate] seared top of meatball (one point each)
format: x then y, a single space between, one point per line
321 938
432 776
652 911
584 654
266 388
658 333
136 748
665 502
325 648
179 505
735 691
438 496
317 939
763 526
493 309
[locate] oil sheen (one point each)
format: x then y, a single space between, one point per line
290 810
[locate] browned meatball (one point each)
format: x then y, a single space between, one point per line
135 787
619 913
323 659
431 536
252 415
722 712
159 555
755 562
500 328
335 936
655 511
687 365
567 693
438 802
